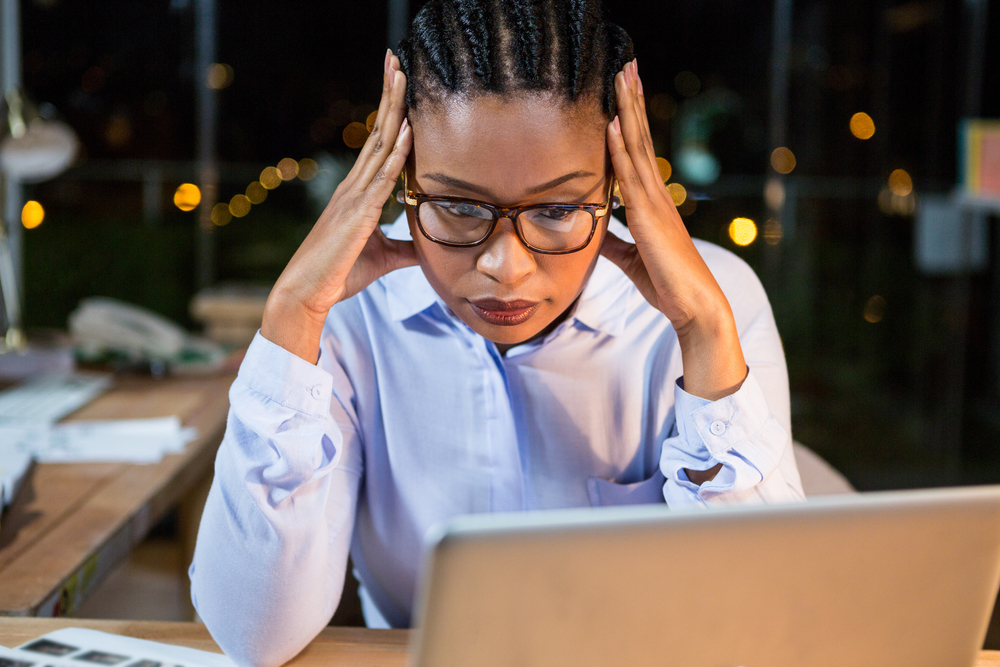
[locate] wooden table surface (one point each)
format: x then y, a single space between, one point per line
334 647
73 522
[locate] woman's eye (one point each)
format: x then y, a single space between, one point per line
555 214
467 211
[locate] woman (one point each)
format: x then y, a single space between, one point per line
497 349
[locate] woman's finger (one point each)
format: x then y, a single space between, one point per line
382 182
629 182
388 120
644 116
632 133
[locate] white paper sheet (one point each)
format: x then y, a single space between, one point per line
14 463
79 647
129 441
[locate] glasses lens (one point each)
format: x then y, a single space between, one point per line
556 228
455 222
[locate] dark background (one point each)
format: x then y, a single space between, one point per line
910 400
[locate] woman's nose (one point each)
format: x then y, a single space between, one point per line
504 258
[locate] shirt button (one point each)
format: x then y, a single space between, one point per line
717 428
317 392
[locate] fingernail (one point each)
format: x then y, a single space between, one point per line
640 85
406 124
392 75
618 126
388 55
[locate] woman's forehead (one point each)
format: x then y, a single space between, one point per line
514 142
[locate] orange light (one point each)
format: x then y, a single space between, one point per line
862 125
900 182
782 160
239 206
308 169
288 168
270 178
355 135
256 193
187 196
32 214
220 214
665 169
677 193
742 231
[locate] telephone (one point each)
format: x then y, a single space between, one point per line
102 324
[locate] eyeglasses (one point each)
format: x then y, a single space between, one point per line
548 229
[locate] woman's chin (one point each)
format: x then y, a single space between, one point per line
504 333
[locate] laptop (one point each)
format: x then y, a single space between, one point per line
892 578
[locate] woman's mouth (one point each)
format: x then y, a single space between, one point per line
504 313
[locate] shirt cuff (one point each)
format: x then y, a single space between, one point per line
288 380
737 431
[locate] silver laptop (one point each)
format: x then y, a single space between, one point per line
898 578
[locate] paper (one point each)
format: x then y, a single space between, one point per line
13 465
128 440
78 647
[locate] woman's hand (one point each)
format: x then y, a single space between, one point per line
664 263
345 250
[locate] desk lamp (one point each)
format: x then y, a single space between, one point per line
34 148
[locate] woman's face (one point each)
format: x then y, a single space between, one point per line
508 153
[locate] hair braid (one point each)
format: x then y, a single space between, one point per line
508 47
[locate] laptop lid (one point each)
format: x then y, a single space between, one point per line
906 578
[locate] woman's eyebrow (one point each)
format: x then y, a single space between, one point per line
458 183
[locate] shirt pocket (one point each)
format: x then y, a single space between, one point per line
604 493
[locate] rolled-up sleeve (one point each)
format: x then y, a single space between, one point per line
737 431
272 547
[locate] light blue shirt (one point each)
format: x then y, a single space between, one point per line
410 417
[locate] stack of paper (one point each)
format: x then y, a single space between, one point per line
128 440
77 647
13 465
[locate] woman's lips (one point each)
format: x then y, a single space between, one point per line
504 313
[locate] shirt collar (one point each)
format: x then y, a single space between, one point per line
407 290
602 306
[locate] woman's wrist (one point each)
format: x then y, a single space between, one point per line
290 324
711 353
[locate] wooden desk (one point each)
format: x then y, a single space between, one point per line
73 522
334 647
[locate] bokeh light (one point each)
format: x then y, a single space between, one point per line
689 206
187 196
270 178
32 214
288 168
742 231
239 206
774 193
874 309
773 232
220 214
862 125
678 193
256 193
218 76
308 169
900 182
783 160
665 168
370 121
355 135
663 107
687 84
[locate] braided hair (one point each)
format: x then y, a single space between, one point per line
508 47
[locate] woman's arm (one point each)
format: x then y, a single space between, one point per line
272 547
719 383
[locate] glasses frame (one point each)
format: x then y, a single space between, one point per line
597 211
